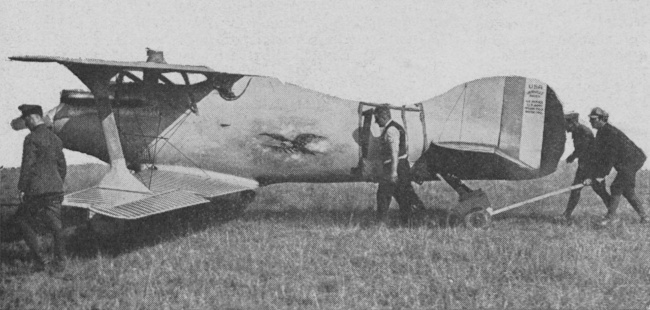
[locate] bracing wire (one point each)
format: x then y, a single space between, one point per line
175 129
153 159
462 94
172 131
189 159
462 116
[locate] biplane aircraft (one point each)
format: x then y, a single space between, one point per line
176 136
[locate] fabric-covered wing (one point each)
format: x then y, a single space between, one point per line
87 69
122 65
173 188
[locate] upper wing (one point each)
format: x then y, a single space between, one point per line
85 70
173 188
123 65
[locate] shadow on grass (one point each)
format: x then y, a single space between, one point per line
524 219
345 218
82 242
150 231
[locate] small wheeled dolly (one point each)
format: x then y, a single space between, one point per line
477 217
473 202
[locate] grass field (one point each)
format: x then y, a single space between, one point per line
307 246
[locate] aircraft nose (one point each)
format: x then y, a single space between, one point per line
18 124
57 118
50 119
54 119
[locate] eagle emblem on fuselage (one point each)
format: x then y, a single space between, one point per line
304 143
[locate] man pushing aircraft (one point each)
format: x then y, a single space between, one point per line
582 142
612 148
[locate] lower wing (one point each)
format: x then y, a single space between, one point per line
172 188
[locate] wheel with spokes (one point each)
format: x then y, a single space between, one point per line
477 219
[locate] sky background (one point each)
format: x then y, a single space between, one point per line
593 53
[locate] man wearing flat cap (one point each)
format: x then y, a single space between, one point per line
42 174
612 148
582 143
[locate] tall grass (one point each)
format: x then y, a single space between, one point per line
306 246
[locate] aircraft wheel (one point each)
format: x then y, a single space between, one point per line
477 219
453 219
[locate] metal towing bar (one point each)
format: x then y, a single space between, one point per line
482 218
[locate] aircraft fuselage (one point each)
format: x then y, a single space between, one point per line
275 132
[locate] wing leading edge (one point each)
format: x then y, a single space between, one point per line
123 65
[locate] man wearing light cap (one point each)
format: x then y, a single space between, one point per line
612 148
42 173
582 143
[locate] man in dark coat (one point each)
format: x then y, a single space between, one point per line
396 181
612 148
42 173
582 142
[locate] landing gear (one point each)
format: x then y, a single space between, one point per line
471 207
453 218
477 219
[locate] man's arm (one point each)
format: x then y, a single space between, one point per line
571 157
581 142
29 157
61 164
392 134
603 160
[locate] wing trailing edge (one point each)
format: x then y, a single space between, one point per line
172 188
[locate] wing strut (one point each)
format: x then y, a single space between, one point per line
97 80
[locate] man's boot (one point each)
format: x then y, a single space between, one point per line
31 238
611 217
571 205
567 215
637 205
382 217
405 215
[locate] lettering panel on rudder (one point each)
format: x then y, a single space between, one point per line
532 127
